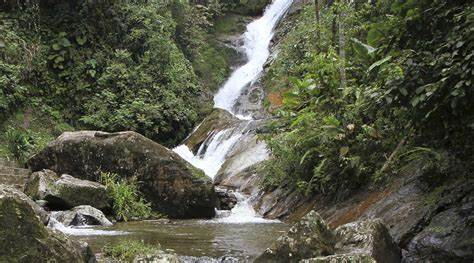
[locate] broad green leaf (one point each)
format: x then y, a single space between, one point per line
379 63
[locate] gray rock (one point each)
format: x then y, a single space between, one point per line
158 257
308 238
66 191
172 186
13 193
223 259
81 216
24 238
370 238
449 235
226 199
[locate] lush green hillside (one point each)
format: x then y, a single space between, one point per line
367 88
147 66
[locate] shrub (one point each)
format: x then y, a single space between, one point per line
19 143
127 250
127 201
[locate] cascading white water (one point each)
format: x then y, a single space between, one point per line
256 42
257 39
82 230
211 159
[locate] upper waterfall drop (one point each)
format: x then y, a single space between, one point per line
257 39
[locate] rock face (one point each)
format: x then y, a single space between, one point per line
173 186
81 216
66 191
307 239
310 240
24 238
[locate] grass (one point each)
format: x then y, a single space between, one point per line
127 250
127 201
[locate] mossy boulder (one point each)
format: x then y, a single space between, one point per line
66 191
308 238
173 186
24 238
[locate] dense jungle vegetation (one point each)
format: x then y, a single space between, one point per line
361 89
148 66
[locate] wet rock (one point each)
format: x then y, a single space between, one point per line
159 257
24 238
169 183
308 238
226 199
66 191
218 120
83 215
223 259
238 168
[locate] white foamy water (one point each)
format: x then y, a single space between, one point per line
242 213
81 231
210 159
256 45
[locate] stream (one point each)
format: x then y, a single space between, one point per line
240 233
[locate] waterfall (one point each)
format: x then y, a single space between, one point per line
256 42
213 152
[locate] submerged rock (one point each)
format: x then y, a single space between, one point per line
83 215
24 238
172 185
310 240
66 191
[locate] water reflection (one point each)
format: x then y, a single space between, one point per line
196 238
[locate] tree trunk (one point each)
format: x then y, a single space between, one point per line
342 51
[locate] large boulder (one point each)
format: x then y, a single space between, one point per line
308 238
66 191
172 185
83 215
368 239
24 238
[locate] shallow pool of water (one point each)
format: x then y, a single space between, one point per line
195 237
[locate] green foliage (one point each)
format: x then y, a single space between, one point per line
127 250
112 65
127 201
19 143
406 70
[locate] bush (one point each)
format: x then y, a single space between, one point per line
19 143
127 250
127 201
